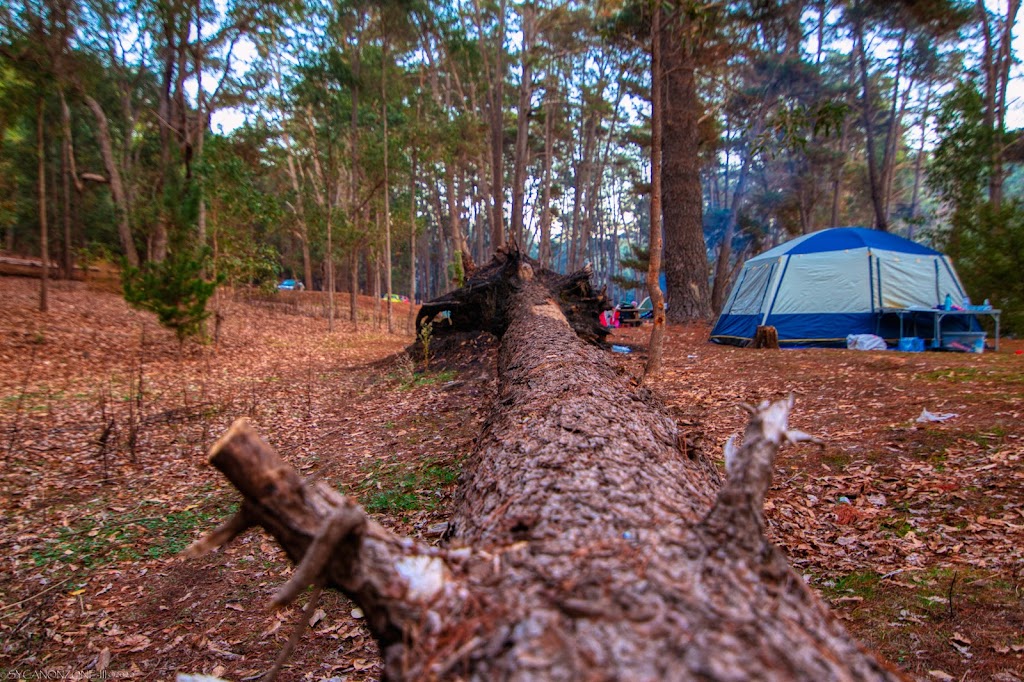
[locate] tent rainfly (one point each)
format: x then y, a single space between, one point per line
820 287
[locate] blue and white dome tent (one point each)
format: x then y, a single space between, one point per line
818 288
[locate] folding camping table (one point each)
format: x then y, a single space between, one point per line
937 316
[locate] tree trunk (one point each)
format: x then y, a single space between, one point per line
329 273
723 269
529 35
686 259
456 236
375 259
67 264
867 117
581 180
657 342
44 242
495 105
589 542
544 250
353 290
387 193
299 208
124 229
70 176
412 237
996 61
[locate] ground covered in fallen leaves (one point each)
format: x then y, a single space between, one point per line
913 531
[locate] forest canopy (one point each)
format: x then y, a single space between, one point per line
386 147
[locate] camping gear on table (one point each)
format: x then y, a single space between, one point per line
819 288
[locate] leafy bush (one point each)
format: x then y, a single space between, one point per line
175 289
988 248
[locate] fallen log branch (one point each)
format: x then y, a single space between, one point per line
588 542
482 304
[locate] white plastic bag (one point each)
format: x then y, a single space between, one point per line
865 342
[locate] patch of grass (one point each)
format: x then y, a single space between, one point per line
31 401
392 501
427 378
992 436
858 584
836 460
396 488
90 544
960 375
897 525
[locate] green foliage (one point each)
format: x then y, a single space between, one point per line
638 261
962 157
424 379
988 249
424 338
985 242
175 290
257 264
456 271
92 543
393 488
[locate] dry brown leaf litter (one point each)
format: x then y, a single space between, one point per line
913 532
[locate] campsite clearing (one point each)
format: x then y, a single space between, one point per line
912 531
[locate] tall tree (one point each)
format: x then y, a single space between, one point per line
996 60
683 37
44 242
656 345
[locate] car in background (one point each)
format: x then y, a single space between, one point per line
395 298
290 285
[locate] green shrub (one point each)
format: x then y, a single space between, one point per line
174 289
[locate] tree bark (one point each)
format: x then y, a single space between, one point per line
413 171
996 61
657 342
723 269
867 117
44 242
686 259
529 32
544 249
387 193
124 229
589 542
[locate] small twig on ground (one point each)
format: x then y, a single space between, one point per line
293 639
21 399
309 386
136 398
5 607
949 597
104 441
204 418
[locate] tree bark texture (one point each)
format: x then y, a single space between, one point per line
656 346
686 260
589 540
44 242
117 188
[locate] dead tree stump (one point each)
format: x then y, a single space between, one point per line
766 337
587 544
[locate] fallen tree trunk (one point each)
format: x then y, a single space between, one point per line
590 542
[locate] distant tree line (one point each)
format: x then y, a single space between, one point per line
388 147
